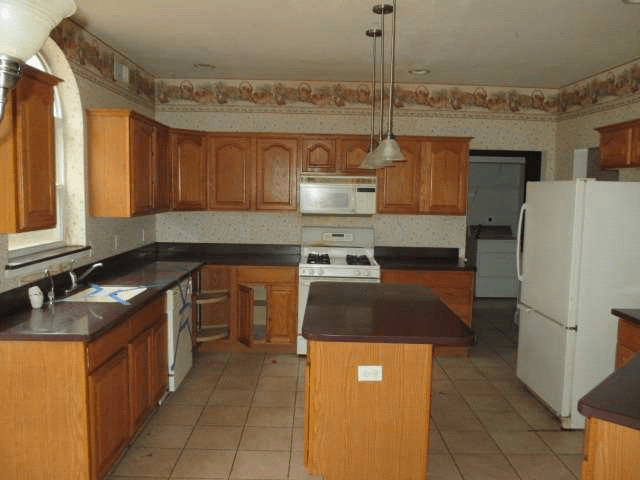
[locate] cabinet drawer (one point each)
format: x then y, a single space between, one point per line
266 275
147 316
107 345
629 335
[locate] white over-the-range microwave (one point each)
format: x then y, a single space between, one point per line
337 195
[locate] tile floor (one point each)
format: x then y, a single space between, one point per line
240 416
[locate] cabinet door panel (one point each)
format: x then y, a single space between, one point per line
245 314
276 174
158 356
162 159
36 155
189 171
282 308
444 170
139 401
318 155
108 412
614 147
351 153
142 166
398 185
231 170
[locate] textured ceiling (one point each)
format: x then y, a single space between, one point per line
517 43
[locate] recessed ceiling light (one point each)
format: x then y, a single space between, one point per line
419 71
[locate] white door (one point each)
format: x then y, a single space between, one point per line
551 232
545 359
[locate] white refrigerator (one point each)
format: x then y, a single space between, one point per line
580 258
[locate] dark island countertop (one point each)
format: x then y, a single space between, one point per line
86 321
631 314
381 313
617 398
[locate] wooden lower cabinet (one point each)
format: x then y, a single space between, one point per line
158 379
610 451
628 341
69 409
455 288
281 308
262 308
139 375
109 412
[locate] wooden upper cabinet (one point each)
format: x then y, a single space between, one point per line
398 185
128 163
351 152
189 162
27 155
444 170
318 154
162 159
142 165
620 145
231 173
276 173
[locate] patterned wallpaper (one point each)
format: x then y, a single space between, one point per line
82 48
552 121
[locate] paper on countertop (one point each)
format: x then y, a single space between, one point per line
106 294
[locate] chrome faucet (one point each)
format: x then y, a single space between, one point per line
51 295
75 280
89 270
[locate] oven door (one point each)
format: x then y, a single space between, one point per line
303 294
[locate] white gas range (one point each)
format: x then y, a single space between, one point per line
333 254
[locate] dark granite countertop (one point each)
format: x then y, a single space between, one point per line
231 254
161 264
631 314
381 313
86 321
416 258
617 398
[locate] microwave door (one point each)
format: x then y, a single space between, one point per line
334 199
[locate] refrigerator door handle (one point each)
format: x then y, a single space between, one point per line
519 271
527 308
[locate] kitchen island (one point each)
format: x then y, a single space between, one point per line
368 377
612 434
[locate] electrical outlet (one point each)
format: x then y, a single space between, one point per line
115 242
142 235
369 373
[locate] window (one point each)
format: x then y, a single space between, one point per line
39 240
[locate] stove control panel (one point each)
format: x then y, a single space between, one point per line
338 272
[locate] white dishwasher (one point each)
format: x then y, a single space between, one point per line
180 323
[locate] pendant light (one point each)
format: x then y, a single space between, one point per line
24 27
388 151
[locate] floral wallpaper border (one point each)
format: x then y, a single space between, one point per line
91 53
95 56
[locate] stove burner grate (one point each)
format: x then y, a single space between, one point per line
317 258
358 260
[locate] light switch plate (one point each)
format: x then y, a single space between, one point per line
369 373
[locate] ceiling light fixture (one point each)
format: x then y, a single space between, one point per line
24 27
419 71
388 151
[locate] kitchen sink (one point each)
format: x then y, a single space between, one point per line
106 294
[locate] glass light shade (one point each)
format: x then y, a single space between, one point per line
390 151
376 158
26 24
